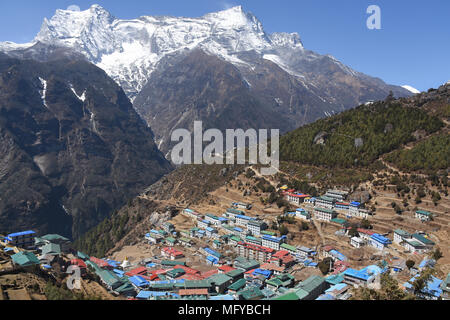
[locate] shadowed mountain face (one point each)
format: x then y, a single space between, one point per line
196 85
222 68
72 148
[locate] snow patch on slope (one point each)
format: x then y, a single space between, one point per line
411 89
44 91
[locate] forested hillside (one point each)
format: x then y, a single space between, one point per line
357 137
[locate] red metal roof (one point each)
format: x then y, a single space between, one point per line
187 269
272 267
193 292
226 269
208 274
172 252
138 271
78 262
298 195
190 277
280 254
255 247
101 263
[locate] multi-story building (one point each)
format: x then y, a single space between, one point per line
24 239
303 214
203 224
242 220
378 241
357 242
190 213
255 227
273 242
325 202
337 194
296 198
354 208
168 227
324 214
254 252
423 215
400 236
241 205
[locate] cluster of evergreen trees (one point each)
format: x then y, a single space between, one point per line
356 137
431 154
101 239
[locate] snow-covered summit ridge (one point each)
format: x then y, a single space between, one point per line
130 50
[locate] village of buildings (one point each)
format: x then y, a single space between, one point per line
240 258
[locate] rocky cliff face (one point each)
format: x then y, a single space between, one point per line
72 147
272 79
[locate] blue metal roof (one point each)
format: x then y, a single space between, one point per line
138 281
244 217
150 294
271 238
222 297
379 238
356 274
326 297
23 233
432 288
338 255
355 204
212 259
265 273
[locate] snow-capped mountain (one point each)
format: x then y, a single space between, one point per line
129 50
276 82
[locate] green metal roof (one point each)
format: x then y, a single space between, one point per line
251 293
339 221
288 247
311 283
172 263
171 240
324 210
422 239
194 284
52 249
25 259
219 279
426 213
287 296
82 255
325 198
110 278
54 237
238 285
235 273
402 233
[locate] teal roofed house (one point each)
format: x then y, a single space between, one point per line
55 238
51 249
445 287
82 256
311 288
236 286
250 294
282 280
424 215
110 280
24 259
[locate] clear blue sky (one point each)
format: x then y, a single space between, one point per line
412 48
